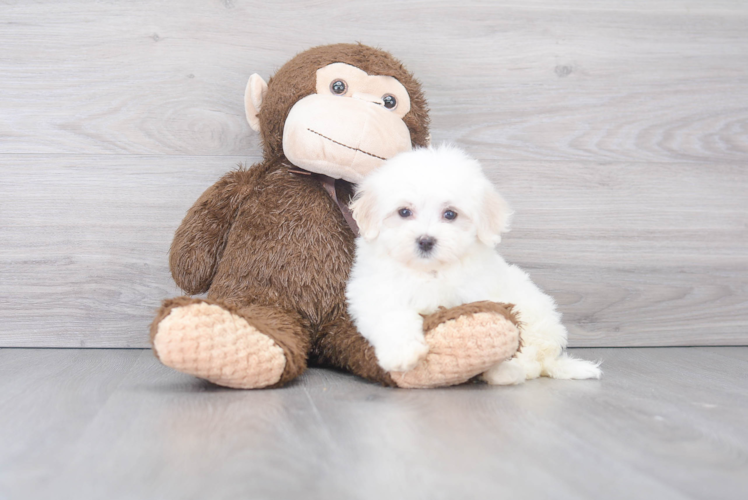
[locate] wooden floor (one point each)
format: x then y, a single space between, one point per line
663 423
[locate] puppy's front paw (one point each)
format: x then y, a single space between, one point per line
403 356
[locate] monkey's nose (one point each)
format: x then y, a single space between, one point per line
426 243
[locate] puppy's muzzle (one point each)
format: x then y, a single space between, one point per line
426 244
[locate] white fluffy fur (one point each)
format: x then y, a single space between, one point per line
393 282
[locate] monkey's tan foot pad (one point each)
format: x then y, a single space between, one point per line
464 341
209 342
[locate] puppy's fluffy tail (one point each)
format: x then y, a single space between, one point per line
566 367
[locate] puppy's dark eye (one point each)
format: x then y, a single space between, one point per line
404 213
389 101
338 87
449 214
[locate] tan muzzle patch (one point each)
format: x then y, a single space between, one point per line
344 138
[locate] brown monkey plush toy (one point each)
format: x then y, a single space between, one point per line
272 245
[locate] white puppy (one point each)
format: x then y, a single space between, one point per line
430 221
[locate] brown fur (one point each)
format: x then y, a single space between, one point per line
283 249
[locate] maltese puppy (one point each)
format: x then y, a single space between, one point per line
430 221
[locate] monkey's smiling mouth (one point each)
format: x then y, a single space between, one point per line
345 146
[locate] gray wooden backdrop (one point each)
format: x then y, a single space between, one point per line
618 130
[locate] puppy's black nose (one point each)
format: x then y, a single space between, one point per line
426 243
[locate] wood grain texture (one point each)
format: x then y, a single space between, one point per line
663 423
619 132
85 240
85 243
595 81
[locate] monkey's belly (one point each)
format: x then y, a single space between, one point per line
294 259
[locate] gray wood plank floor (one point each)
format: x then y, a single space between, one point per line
616 129
665 423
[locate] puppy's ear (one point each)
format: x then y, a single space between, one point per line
494 217
364 208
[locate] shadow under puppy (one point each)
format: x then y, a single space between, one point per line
430 221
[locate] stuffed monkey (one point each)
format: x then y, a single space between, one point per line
272 245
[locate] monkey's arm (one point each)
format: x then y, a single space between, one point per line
201 238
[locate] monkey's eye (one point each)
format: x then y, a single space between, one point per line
338 87
449 214
404 213
389 101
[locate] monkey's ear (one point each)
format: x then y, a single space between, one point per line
495 216
253 96
364 211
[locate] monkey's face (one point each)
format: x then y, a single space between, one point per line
339 110
350 126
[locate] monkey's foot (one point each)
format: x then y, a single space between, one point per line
207 341
464 341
